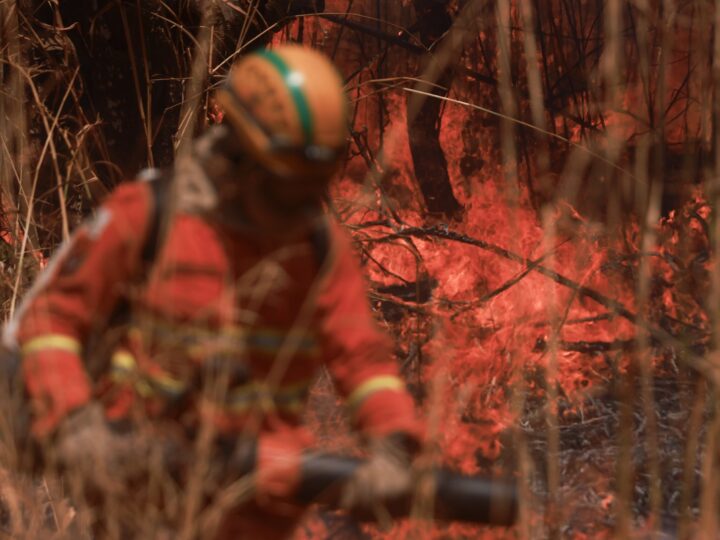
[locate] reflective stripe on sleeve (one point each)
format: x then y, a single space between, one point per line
57 342
372 385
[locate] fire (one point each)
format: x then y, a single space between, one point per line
492 309
523 317
489 301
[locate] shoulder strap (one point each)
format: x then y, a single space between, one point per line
320 241
159 184
99 348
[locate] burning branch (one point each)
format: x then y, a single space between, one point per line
687 351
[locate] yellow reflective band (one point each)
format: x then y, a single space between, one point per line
233 340
57 342
165 383
123 361
260 387
144 389
267 404
124 367
289 398
372 385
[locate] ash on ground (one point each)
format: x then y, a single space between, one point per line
610 430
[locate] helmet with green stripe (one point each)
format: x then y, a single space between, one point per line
289 109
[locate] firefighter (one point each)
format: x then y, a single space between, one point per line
250 290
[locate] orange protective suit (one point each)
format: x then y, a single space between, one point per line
276 311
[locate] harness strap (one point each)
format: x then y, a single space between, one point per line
159 182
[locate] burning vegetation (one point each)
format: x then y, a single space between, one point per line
531 187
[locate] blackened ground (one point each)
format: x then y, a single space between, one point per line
591 449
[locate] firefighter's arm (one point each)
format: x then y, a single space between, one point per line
359 355
72 297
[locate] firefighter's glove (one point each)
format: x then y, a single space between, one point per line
87 449
385 479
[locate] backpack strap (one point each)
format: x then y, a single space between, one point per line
320 240
159 183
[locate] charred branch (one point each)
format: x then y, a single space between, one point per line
438 232
590 347
404 40
418 292
401 39
688 352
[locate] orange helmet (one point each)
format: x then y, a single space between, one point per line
289 108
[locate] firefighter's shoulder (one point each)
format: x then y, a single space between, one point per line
130 205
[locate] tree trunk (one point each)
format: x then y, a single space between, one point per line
428 157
